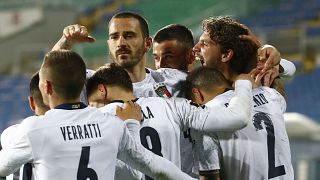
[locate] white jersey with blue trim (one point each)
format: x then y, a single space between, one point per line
261 150
76 144
164 82
166 118
7 137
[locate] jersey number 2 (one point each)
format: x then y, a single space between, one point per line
257 122
85 173
155 141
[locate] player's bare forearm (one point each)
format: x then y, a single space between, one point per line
209 175
63 43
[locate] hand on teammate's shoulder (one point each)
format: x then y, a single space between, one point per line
130 110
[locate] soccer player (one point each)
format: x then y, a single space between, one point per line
72 141
261 150
128 43
172 47
8 135
164 118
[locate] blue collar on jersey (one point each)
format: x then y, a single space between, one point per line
71 106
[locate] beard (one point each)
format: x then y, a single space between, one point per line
128 60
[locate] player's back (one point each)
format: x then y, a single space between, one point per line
160 129
261 150
74 144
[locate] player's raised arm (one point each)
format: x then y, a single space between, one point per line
203 84
237 114
73 34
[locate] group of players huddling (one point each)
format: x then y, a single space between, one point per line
223 120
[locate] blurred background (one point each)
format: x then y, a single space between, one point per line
29 29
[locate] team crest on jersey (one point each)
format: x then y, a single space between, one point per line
161 90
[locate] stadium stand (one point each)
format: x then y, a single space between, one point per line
14 106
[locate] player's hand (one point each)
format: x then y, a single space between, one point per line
268 57
246 77
267 77
77 34
130 110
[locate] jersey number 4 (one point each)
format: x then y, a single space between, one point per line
155 144
257 122
85 173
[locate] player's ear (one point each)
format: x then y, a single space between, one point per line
148 44
227 56
48 87
32 103
197 96
102 89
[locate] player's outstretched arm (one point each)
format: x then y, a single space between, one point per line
124 171
73 34
237 114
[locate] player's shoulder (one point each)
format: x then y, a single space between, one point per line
8 135
270 92
30 122
168 73
111 107
162 101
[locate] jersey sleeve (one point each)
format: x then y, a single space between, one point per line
136 156
124 171
17 153
205 151
288 68
134 129
8 135
219 118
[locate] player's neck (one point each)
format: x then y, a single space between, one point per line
56 101
120 94
230 75
137 73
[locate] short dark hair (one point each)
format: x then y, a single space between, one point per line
110 74
35 91
205 78
67 72
176 32
142 21
225 31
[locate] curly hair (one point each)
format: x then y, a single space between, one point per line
226 31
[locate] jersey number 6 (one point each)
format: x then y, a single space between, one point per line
85 173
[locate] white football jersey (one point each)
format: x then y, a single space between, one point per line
79 144
166 118
164 82
7 138
261 150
